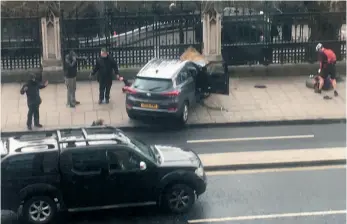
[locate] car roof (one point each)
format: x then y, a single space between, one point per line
161 68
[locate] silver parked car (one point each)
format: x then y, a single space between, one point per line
171 87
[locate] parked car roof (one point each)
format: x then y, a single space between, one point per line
161 68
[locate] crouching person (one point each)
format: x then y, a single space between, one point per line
32 90
99 122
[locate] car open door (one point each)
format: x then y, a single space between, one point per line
218 79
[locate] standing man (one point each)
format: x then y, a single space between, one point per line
32 90
70 78
327 60
104 66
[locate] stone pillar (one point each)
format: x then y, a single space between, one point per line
212 35
51 46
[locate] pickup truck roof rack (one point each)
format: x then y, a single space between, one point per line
69 136
85 133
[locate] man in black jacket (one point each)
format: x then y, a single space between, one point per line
70 78
32 90
104 66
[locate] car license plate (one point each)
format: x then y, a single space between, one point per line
149 106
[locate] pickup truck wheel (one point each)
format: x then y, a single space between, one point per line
179 198
39 210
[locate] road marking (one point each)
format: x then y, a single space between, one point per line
270 216
230 159
250 139
294 169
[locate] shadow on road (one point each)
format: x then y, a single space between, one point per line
155 125
139 215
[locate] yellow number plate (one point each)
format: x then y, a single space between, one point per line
149 106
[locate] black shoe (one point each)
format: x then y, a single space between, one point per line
38 125
107 101
100 101
29 127
336 93
72 106
77 102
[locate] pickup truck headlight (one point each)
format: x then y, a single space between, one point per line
199 172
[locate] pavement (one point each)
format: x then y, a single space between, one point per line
283 99
281 196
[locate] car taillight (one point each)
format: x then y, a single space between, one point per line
172 109
172 93
129 90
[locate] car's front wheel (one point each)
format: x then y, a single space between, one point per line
131 115
179 198
39 210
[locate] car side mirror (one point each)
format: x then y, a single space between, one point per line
143 165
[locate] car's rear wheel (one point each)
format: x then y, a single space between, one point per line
185 113
39 210
178 198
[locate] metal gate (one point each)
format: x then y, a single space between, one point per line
132 38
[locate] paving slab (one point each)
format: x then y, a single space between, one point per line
282 99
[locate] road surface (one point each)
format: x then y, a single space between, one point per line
240 139
285 196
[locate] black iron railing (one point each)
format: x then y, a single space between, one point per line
132 38
281 38
21 46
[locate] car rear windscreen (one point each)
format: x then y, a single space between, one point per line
152 84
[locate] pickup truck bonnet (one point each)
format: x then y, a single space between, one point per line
174 156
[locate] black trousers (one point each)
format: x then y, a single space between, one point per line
329 69
104 89
33 112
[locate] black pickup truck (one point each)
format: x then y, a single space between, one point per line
94 168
